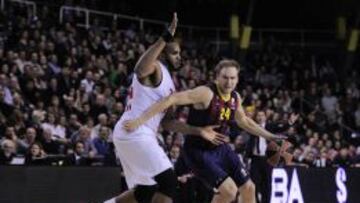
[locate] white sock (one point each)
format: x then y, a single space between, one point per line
112 200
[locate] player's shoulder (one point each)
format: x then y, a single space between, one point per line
203 89
202 93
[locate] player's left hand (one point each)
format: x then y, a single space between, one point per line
131 125
209 134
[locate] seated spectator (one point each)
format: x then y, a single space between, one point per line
174 153
73 125
5 108
54 126
101 143
7 152
342 159
83 135
29 139
10 134
78 157
309 159
49 143
35 155
102 121
322 161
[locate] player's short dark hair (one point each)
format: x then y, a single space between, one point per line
169 44
225 63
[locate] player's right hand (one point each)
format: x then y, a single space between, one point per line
131 125
277 138
209 134
173 25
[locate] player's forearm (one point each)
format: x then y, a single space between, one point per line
155 109
253 128
180 127
145 65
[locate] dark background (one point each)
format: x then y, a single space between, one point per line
305 14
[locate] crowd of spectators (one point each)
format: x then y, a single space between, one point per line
63 88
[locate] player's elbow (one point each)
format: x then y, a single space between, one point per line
243 123
140 71
247 124
144 69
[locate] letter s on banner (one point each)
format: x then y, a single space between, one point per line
341 193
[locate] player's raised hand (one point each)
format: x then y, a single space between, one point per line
209 134
131 125
173 25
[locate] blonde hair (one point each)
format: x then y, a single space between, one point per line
226 63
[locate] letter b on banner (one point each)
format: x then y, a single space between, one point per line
279 182
279 187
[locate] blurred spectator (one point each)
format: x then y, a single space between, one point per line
329 102
6 109
99 107
29 139
35 155
342 159
79 157
102 121
88 82
7 152
83 135
174 153
49 143
8 97
53 125
101 142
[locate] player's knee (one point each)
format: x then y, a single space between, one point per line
228 190
231 192
167 183
248 188
144 193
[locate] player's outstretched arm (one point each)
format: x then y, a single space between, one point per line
197 95
208 133
251 126
147 64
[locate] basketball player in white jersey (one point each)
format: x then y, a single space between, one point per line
148 171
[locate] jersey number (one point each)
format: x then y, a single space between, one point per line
225 113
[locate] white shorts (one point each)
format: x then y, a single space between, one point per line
142 158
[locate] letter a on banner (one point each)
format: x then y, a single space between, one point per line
295 189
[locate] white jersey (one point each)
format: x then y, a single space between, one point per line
140 98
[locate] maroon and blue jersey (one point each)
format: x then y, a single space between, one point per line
219 112
213 164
